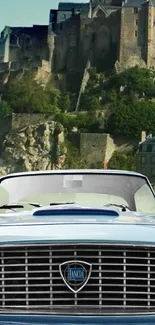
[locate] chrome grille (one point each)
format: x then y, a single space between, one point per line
122 279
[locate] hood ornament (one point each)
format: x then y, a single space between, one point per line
75 274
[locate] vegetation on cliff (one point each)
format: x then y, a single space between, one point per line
119 104
25 95
5 109
123 161
128 99
74 160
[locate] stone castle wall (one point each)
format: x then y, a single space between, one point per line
128 34
21 120
66 44
130 30
98 148
95 147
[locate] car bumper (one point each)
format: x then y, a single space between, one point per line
73 320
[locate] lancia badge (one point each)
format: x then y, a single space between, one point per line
75 274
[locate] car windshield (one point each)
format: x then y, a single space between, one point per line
97 189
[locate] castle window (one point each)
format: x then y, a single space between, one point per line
27 41
149 147
136 33
60 26
143 160
136 21
135 10
93 37
144 147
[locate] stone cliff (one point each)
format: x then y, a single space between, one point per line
37 142
35 147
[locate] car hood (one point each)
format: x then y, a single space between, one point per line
74 223
76 214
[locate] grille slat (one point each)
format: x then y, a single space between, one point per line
122 278
95 264
100 278
57 278
148 281
84 291
3 281
93 271
90 309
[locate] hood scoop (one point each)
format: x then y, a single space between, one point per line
66 210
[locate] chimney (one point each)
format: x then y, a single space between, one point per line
143 136
149 136
73 11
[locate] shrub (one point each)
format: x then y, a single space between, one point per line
26 96
5 109
122 161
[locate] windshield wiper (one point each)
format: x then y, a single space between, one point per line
14 206
62 203
122 206
18 206
36 205
11 206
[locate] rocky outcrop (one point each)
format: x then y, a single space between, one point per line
34 147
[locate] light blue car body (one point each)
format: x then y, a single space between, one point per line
126 228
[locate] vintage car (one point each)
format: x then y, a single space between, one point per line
77 247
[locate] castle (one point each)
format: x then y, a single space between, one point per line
78 33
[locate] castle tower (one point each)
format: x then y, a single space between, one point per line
90 9
150 51
134 33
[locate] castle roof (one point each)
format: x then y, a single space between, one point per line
133 3
116 2
107 3
152 3
71 5
148 145
34 28
83 8
39 31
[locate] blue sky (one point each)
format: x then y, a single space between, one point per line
26 12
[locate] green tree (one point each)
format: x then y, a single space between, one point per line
89 103
128 86
74 159
5 109
138 80
27 96
88 122
131 120
64 102
67 120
